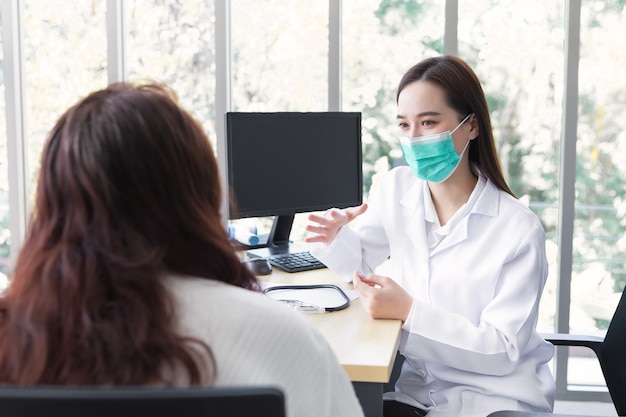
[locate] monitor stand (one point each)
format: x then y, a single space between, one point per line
278 240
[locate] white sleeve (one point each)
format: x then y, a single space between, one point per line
343 255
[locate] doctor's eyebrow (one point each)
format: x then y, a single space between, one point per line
426 113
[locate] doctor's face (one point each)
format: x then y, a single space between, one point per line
422 110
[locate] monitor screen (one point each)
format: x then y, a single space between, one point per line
281 164
287 163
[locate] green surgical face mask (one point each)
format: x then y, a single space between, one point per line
433 157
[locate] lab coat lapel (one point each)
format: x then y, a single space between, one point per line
458 235
413 201
415 257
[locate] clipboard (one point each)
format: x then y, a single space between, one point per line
315 298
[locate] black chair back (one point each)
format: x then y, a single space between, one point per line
141 401
613 357
609 350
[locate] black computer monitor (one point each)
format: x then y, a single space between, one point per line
281 164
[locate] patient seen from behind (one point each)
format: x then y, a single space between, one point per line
126 275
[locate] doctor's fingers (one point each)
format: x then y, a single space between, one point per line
318 237
385 303
370 298
363 285
329 232
382 297
322 220
374 280
354 212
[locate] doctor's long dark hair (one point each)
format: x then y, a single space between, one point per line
128 192
465 95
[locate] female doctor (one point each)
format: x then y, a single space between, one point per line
467 259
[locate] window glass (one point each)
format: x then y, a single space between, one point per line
173 42
4 180
54 32
279 63
599 245
64 60
381 39
279 55
520 65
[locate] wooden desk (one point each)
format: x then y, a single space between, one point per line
365 347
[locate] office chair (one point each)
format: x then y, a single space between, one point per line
507 413
609 351
141 401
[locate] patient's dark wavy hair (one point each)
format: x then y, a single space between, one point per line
128 192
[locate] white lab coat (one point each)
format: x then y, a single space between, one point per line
470 339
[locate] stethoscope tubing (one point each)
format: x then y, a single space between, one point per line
312 287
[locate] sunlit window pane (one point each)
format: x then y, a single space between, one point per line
380 41
174 42
516 48
599 243
65 59
279 55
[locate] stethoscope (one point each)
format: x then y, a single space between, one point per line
310 308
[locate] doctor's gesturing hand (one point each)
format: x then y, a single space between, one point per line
326 226
382 297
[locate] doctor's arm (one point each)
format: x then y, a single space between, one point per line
349 250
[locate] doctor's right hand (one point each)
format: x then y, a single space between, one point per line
324 228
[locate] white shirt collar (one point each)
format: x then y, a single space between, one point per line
435 231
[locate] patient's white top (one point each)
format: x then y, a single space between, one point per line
259 341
